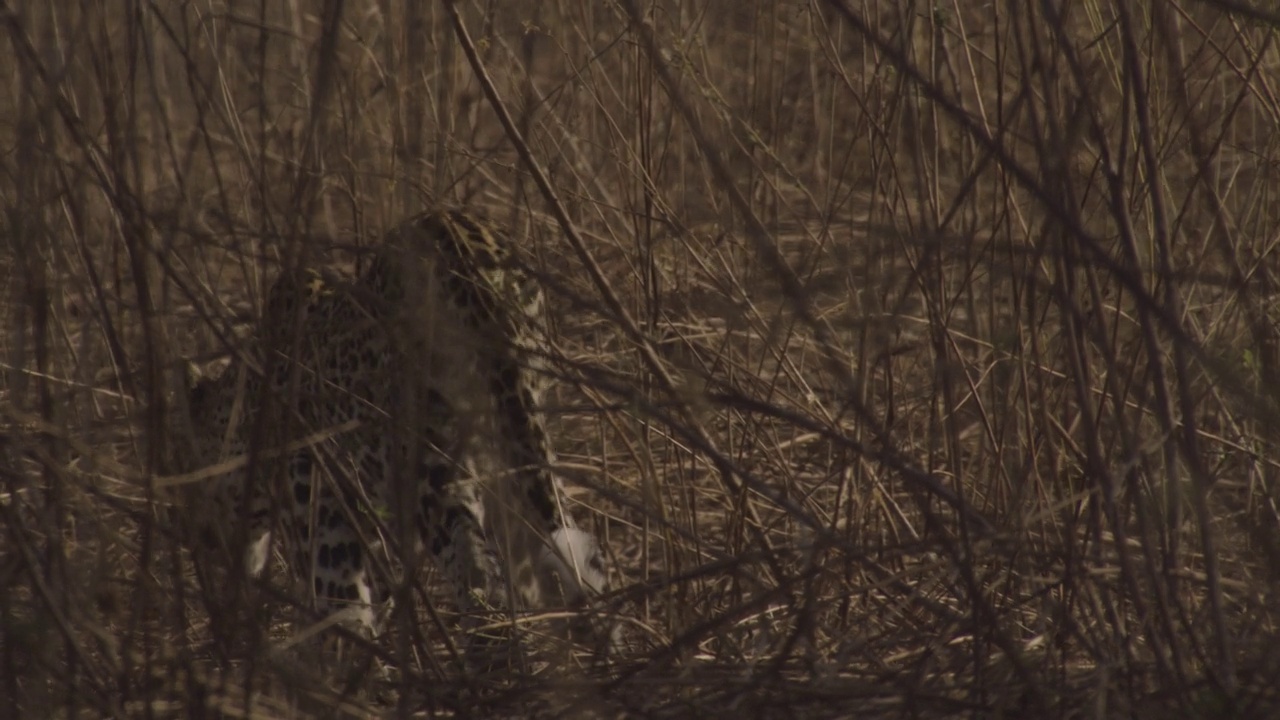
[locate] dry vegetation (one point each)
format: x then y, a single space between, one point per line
917 357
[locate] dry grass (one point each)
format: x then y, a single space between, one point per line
917 357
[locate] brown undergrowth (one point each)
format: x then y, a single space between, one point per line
915 359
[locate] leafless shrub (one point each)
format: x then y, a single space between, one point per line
916 358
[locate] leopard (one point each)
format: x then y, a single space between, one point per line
401 405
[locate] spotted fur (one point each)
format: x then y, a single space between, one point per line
400 403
